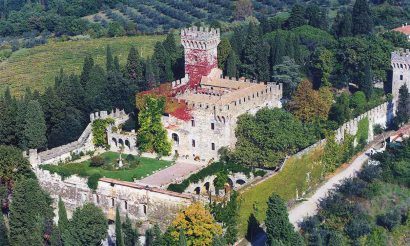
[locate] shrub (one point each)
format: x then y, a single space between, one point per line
390 220
130 158
378 129
357 227
370 173
97 161
353 187
92 181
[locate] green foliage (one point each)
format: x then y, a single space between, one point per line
92 181
288 74
4 234
152 135
402 114
277 222
323 62
358 102
97 161
29 211
98 131
266 138
34 127
340 111
332 154
131 237
119 238
88 226
362 134
62 216
218 168
182 239
361 18
11 159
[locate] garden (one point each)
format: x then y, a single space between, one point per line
106 165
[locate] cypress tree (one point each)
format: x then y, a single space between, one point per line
278 49
119 240
53 108
35 126
366 81
158 238
151 76
87 66
402 113
171 47
342 25
262 62
62 216
8 117
96 90
238 40
182 239
56 239
131 237
224 49
250 52
232 65
116 63
277 222
109 59
4 238
29 210
169 75
134 65
162 61
361 18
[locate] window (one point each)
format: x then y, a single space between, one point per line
192 122
125 205
401 77
145 209
193 143
212 126
213 146
97 199
112 202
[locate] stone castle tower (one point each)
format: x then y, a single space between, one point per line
400 62
200 48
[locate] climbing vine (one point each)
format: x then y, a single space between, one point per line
152 136
98 130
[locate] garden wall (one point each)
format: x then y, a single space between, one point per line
141 203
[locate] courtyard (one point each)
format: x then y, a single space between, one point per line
134 167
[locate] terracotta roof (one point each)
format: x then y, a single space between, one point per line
403 29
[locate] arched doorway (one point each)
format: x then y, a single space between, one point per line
114 141
127 143
175 138
197 190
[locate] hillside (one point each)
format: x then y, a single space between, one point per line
37 67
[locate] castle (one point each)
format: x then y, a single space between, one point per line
400 62
214 102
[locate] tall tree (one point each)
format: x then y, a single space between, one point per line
151 75
340 111
109 59
262 62
288 74
277 222
35 127
402 113
87 66
88 226
131 237
134 68
296 17
96 90
62 216
365 80
119 239
361 18
342 24
29 210
8 117
199 225
224 49
232 65
250 52
323 62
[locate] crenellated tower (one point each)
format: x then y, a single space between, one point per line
200 47
400 62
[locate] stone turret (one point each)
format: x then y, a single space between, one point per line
400 62
200 48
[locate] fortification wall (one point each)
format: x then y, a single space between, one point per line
381 115
142 204
83 144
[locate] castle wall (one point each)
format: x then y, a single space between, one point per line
141 204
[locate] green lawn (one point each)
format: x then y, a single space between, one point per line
285 183
146 166
37 67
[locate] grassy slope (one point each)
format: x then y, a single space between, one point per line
147 166
284 184
37 67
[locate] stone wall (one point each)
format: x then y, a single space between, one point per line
142 204
83 144
400 63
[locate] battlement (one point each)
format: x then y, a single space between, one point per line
202 38
400 59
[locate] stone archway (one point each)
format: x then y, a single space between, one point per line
175 138
127 143
207 186
120 142
114 140
197 190
240 182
